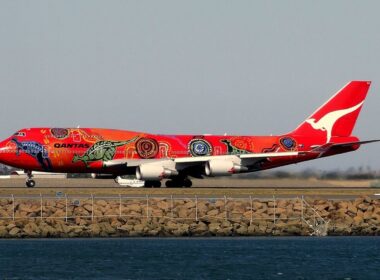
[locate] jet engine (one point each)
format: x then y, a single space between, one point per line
222 168
153 172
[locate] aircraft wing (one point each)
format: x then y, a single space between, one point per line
254 157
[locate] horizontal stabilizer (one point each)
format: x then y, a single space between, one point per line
328 146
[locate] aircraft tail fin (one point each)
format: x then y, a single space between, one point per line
337 117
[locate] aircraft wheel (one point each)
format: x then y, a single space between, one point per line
169 184
187 183
156 184
30 183
152 184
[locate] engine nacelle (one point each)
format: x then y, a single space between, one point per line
153 172
222 168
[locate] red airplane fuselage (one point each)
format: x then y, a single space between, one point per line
83 150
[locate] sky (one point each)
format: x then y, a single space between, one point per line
188 67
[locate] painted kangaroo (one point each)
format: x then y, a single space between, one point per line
102 150
231 150
35 150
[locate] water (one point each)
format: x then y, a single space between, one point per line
206 258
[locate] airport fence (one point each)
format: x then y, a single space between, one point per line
276 210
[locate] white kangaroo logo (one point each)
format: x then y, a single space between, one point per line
327 122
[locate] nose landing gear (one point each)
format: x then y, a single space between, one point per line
30 183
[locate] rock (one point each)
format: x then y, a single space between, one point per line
5 202
76 229
226 231
126 228
242 230
189 204
11 226
351 209
139 228
367 199
358 201
61 227
182 230
298 206
88 207
95 229
342 205
48 231
262 228
107 229
281 210
271 211
281 203
28 208
199 228
134 207
157 213
153 232
213 212
170 226
101 203
202 207
163 205
220 204
183 213
363 206
59 213
293 230
3 231
341 228
31 229
367 215
14 232
321 207
257 205
214 227
5 214
251 230
358 220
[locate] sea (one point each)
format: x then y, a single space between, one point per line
192 258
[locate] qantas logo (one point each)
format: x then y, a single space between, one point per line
327 122
71 145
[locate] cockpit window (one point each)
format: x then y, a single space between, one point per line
21 134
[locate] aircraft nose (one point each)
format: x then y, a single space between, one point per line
5 152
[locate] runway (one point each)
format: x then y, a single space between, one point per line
208 187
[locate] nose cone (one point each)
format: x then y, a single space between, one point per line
7 152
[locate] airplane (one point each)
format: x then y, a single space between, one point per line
178 158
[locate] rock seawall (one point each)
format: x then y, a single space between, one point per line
120 216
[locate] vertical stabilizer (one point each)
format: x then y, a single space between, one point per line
337 117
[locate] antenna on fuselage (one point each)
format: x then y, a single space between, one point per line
78 126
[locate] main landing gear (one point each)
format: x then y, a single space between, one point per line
179 183
152 184
30 183
173 183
